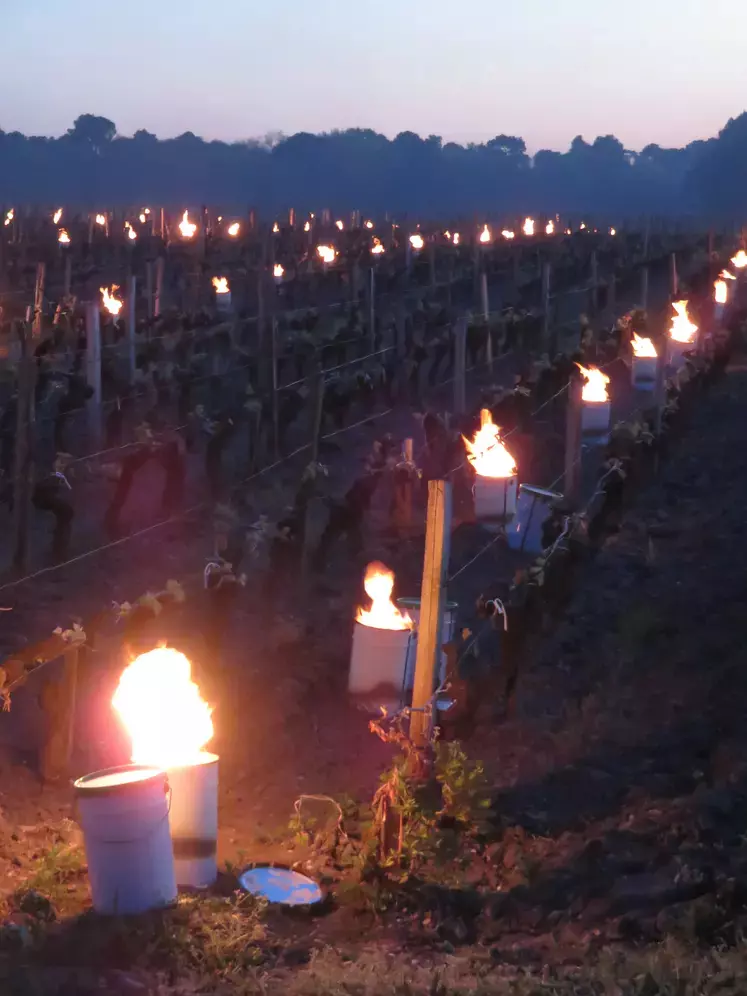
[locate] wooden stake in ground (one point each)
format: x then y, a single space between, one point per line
594 283
547 345
158 292
644 288
130 323
432 599
93 368
372 309
572 462
460 366
316 413
674 277
68 278
275 393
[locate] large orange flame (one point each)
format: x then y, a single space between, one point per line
340 225
682 329
377 248
487 452
739 261
508 234
417 242
550 228
643 347
101 220
112 304
485 235
57 216
383 614
528 227
595 385
720 291
369 224
63 238
326 253
162 710
613 231
233 229
187 227
131 233
278 271
9 217
221 285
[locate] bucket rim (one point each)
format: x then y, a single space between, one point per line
85 785
205 759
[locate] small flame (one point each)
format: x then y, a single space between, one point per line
485 235
278 271
326 253
613 231
9 216
417 242
595 386
550 228
682 329
131 233
112 304
101 220
643 347
528 226
447 236
306 227
275 228
63 238
487 452
508 234
740 260
720 291
146 210
234 229
143 218
383 614
369 224
221 285
725 275
568 231
162 710
582 226
340 225
57 216
456 238
377 248
187 227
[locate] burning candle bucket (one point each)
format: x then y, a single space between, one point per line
495 498
124 814
223 301
194 821
595 420
643 371
533 508
412 607
676 351
377 661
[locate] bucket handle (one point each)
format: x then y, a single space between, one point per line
143 836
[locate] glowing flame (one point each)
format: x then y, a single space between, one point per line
276 228
278 271
326 253
740 260
340 225
417 242
101 220
146 210
613 231
131 233
447 236
643 347
187 227
568 231
63 238
143 218
528 226
582 226
9 216
720 291
56 217
682 329
485 235
508 234
369 224
377 248
383 614
550 228
456 238
112 304
306 227
162 710
487 452
221 285
234 229
725 275
595 386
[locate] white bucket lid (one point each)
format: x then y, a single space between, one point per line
126 777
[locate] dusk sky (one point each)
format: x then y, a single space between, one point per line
665 71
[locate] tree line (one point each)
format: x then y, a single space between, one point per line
359 169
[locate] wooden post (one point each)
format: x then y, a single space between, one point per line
93 368
130 323
316 412
594 283
546 345
275 394
68 278
484 299
611 295
260 309
572 464
432 261
432 599
372 309
644 288
70 697
674 278
149 286
23 464
460 367
158 292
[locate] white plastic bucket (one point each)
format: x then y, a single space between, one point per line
676 353
124 814
412 607
595 419
495 497
194 821
223 301
377 660
524 532
643 372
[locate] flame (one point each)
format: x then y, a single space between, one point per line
63 238
187 227
131 233
508 234
456 238
162 710
485 235
447 235
582 226
326 253
740 260
383 614
595 386
340 225
487 452
112 304
725 275
221 285
9 216
613 231
57 216
568 231
234 229
643 347
550 228
720 291
528 228
278 271
306 227
146 210
101 219
143 217
682 329
417 242
369 224
377 248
